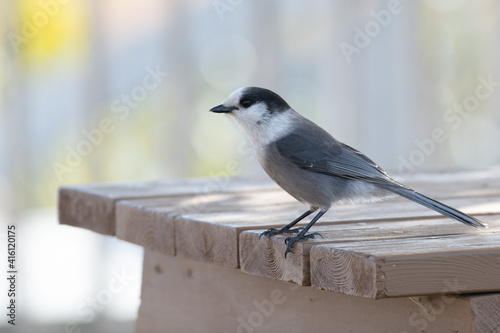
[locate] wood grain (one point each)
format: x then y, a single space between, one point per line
180 295
150 229
262 256
222 227
150 222
409 266
93 206
214 237
381 251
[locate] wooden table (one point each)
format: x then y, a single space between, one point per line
393 266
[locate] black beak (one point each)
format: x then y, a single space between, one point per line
222 109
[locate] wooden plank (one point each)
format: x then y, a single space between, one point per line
203 239
263 256
180 295
150 222
401 208
455 184
93 206
152 230
214 237
411 266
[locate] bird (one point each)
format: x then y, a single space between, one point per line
311 165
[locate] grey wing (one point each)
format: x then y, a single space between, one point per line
331 157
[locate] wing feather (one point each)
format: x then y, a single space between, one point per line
332 157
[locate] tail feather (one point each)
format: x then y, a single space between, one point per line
435 205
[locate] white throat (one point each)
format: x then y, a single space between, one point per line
265 131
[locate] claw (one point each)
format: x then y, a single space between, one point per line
290 241
289 246
273 231
314 234
269 232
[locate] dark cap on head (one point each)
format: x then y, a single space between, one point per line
273 101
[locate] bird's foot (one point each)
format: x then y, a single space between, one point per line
273 231
292 240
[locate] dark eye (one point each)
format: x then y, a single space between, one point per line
246 103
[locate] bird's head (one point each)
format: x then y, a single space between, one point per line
261 112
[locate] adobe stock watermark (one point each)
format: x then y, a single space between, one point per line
432 307
88 309
121 107
454 117
30 27
221 7
262 310
363 37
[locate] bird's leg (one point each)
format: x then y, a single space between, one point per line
286 229
302 234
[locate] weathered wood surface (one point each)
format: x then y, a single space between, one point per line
181 218
93 206
150 222
262 256
181 295
410 266
213 235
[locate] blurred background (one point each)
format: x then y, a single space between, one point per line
109 90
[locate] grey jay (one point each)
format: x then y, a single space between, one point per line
311 165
